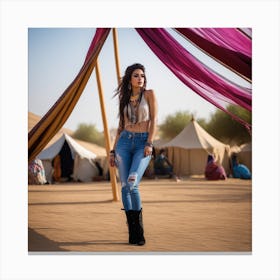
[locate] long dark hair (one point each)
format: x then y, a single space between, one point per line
123 90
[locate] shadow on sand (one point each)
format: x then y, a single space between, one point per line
39 243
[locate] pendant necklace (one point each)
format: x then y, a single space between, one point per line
134 104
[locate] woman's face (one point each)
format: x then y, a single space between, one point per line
137 78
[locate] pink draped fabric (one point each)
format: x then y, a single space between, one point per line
234 60
97 42
192 73
246 31
230 38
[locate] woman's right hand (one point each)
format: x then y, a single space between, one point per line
112 160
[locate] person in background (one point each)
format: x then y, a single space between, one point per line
213 171
56 168
163 166
133 145
239 170
36 173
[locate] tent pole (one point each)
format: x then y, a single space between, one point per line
116 50
106 133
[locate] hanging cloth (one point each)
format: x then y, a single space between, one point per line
235 60
202 80
55 118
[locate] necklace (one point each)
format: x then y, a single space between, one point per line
134 98
133 106
133 114
134 102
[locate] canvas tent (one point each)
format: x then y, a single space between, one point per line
74 158
189 149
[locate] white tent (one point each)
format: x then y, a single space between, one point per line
188 151
75 159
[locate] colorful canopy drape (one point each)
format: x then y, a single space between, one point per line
54 119
229 38
246 31
233 49
194 74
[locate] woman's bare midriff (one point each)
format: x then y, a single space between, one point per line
138 127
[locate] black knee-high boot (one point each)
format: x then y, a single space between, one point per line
138 219
131 227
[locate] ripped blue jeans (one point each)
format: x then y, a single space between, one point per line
131 164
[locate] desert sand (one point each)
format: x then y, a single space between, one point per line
192 216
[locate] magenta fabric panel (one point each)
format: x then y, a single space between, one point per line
99 33
194 74
246 31
235 61
230 38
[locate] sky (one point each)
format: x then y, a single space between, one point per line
55 56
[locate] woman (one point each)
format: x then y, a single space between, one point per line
213 171
240 170
134 143
163 166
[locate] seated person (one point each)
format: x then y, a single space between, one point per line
56 163
162 165
213 171
98 177
239 170
36 173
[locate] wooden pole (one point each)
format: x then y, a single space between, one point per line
116 50
106 133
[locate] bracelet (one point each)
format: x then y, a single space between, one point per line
112 153
148 144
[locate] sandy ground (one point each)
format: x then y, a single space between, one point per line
193 215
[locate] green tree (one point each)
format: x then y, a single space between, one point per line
202 122
223 127
89 133
175 123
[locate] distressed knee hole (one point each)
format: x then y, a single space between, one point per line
131 180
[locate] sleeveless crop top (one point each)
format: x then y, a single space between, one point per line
143 112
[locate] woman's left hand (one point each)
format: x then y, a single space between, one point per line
148 151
